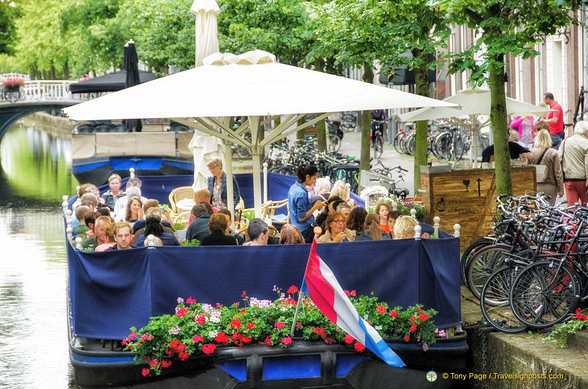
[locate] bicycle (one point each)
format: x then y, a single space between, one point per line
377 137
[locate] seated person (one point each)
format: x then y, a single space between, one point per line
100 203
227 213
321 190
154 227
345 210
90 200
404 227
157 212
101 228
383 210
290 234
114 193
516 151
151 203
218 226
134 210
198 229
122 236
372 230
202 196
356 220
81 191
332 204
79 223
258 233
335 230
133 188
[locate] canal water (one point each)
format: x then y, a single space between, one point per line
34 174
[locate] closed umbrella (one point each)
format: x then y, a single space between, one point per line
206 28
131 64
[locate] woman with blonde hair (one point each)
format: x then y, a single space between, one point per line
551 181
404 227
217 185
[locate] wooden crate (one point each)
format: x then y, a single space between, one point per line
468 198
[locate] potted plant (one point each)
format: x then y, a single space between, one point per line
13 84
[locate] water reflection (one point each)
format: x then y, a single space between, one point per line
36 165
35 174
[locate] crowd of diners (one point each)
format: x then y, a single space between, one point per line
117 219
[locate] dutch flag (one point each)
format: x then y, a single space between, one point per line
324 290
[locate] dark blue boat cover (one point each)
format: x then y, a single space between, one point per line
112 291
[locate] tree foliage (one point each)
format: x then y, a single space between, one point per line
8 12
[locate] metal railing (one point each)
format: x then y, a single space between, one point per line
43 90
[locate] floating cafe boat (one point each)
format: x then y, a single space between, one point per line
112 291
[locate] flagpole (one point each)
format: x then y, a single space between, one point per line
317 232
297 308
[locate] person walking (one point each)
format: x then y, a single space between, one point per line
574 160
554 119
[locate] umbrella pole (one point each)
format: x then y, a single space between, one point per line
256 160
474 119
229 172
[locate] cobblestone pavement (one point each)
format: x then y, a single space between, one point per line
351 145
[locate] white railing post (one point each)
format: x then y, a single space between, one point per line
68 221
265 182
64 203
456 229
79 243
413 213
436 221
132 172
417 232
151 240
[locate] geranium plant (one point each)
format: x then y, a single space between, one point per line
576 323
199 327
13 82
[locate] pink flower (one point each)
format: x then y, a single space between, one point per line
287 340
381 309
197 338
123 342
298 324
279 325
145 372
393 313
359 347
183 355
292 290
132 335
349 339
244 294
181 312
144 337
190 300
200 318
208 348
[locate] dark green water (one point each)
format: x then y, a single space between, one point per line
34 174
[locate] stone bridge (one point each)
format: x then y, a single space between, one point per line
34 96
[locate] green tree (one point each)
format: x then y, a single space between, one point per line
8 12
504 28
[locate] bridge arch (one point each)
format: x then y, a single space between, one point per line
10 113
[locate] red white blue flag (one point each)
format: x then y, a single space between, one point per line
324 290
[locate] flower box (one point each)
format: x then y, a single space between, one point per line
13 84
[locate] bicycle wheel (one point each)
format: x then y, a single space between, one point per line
334 143
411 144
442 146
378 147
495 300
482 264
458 148
476 245
543 294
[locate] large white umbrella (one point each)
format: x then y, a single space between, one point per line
204 147
250 85
473 103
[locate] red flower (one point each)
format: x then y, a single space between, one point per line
413 319
381 309
243 310
279 325
250 326
145 372
208 348
244 294
123 342
182 312
413 327
183 355
268 340
132 335
407 338
197 338
298 324
292 290
200 318
359 347
329 340
153 363
393 313
221 338
190 300
423 316
320 331
419 310
166 363
144 337
287 340
352 293
246 339
349 339
236 323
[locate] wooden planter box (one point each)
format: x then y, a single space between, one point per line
468 198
